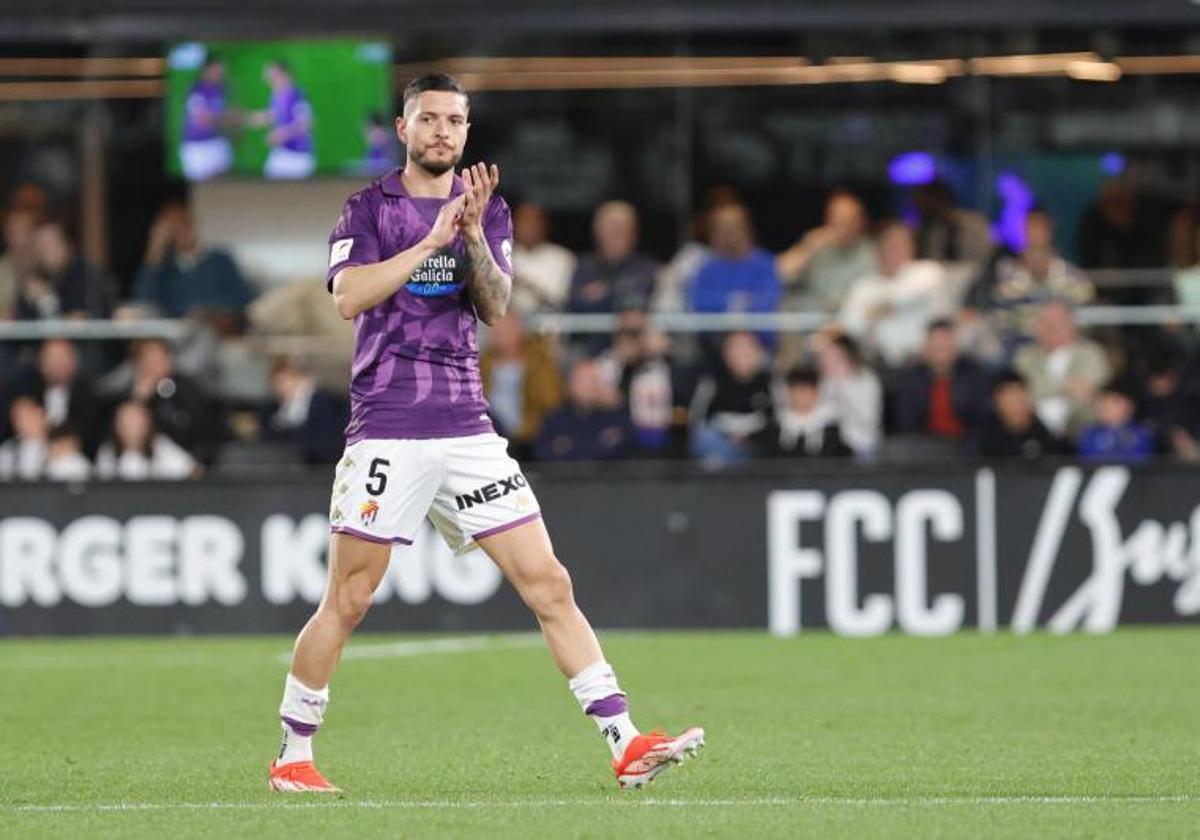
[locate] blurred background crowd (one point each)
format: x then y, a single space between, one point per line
934 333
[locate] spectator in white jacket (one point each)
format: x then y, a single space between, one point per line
889 311
852 391
136 452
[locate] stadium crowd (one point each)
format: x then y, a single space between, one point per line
939 342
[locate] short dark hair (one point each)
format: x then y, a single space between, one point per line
940 324
281 63
803 375
434 81
1007 377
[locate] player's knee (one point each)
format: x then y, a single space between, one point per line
551 592
353 601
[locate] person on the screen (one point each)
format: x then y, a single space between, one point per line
205 151
379 144
290 117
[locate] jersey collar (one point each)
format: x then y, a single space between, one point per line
392 184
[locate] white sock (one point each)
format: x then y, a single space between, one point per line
596 689
301 713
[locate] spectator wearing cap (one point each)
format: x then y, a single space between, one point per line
1063 370
1014 430
1116 437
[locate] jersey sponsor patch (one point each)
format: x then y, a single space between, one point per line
340 251
437 276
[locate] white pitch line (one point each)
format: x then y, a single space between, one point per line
451 804
425 647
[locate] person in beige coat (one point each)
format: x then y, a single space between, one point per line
1063 369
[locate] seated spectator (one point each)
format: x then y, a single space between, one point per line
1170 404
1116 231
1116 436
592 426
65 460
66 395
1063 371
852 391
737 277
1011 288
23 456
541 269
520 380
655 388
888 312
182 277
135 451
309 418
18 257
826 262
1014 430
615 276
945 394
179 406
947 233
676 276
62 284
804 427
732 403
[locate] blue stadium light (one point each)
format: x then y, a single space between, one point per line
912 168
1112 163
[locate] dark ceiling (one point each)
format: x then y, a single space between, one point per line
88 22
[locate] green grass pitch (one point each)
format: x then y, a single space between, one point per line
970 736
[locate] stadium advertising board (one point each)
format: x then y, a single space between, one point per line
860 552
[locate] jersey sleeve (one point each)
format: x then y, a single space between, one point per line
498 231
355 237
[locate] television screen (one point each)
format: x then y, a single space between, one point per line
279 110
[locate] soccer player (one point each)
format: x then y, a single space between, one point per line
415 259
205 151
290 117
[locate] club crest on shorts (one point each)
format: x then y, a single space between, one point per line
368 511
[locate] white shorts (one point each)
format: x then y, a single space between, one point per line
469 488
285 164
204 159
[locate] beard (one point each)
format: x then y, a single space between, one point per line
435 166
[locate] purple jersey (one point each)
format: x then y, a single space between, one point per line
289 106
416 358
205 104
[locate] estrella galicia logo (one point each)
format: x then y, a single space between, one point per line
437 276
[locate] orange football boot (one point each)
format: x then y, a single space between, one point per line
299 777
650 754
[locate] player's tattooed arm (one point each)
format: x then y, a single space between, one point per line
489 287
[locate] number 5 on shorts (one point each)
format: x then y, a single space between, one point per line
379 483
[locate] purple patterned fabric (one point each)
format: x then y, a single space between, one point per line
288 106
416 359
300 727
207 99
610 706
